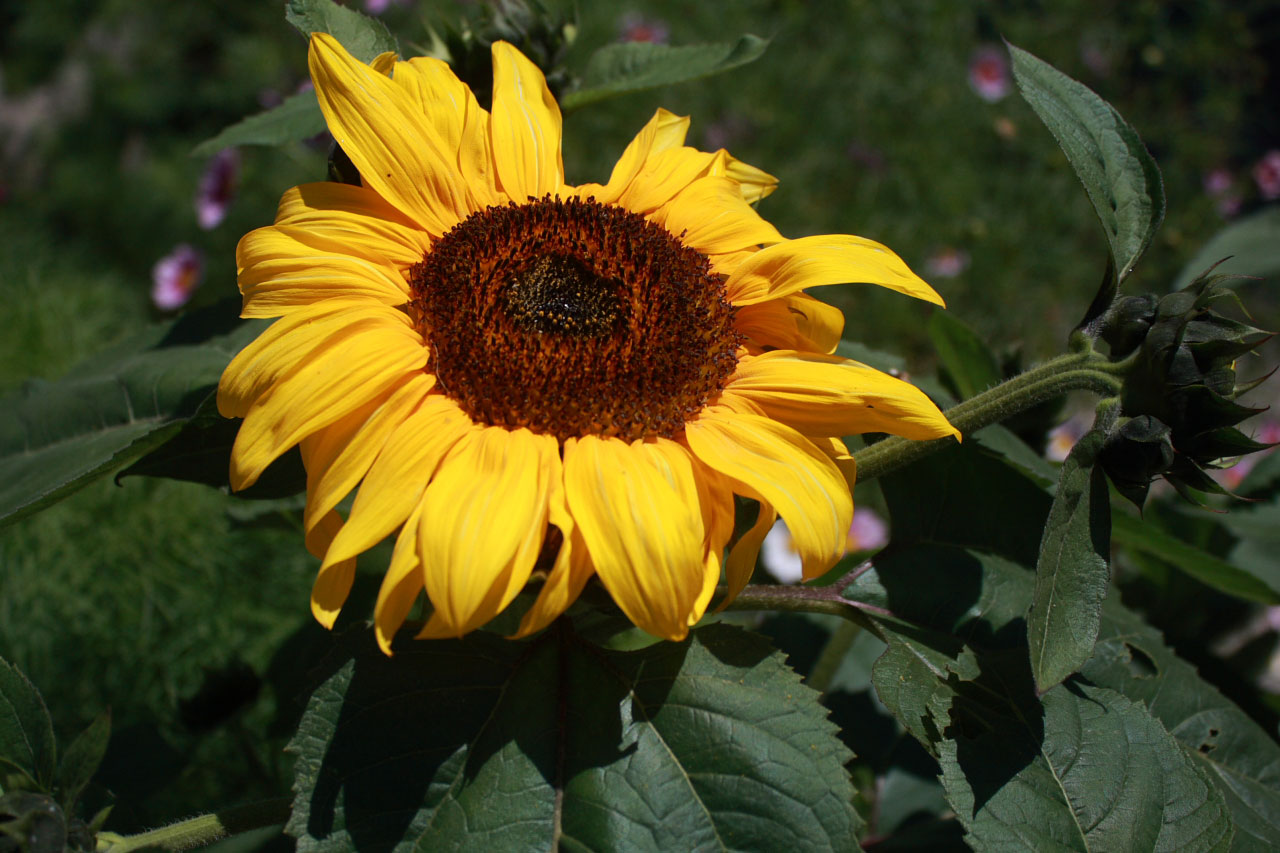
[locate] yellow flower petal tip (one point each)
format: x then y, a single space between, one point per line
519 375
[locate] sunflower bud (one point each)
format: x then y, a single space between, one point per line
541 33
1178 404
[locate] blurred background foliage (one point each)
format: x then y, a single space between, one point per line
134 596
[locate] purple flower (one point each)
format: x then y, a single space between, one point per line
377 7
217 188
176 276
989 73
1266 174
635 27
947 262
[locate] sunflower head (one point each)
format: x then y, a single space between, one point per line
519 376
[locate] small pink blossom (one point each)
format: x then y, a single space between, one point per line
947 262
176 276
1231 478
217 188
1266 174
1064 436
989 73
778 552
635 27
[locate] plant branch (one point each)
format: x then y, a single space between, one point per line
1076 371
201 830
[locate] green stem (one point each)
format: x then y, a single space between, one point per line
833 653
1076 371
201 830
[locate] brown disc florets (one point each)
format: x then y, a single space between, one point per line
573 318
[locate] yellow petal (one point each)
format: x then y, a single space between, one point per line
340 458
817 321
280 273
484 517
636 506
754 183
333 582
665 175
525 126
711 216
395 482
397 151
572 567
354 218
791 266
349 368
662 132
770 460
289 342
787 324
400 585
742 556
825 395
463 125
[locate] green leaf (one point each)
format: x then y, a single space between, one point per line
363 37
967 495
1248 244
57 437
32 823
1072 573
969 362
616 69
81 759
298 117
502 745
27 746
1244 759
1003 441
1094 772
1147 538
1122 180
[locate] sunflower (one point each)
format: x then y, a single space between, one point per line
522 376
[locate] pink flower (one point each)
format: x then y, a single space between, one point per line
1064 436
635 27
1266 174
947 262
989 73
377 7
217 188
176 276
868 532
1231 478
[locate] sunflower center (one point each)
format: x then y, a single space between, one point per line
573 318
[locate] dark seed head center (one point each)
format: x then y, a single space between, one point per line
574 318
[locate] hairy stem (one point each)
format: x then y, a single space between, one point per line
201 830
1076 371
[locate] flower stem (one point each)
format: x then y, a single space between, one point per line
201 830
1086 370
828 662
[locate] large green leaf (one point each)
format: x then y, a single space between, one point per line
298 117
80 760
1072 572
1131 658
1250 245
363 37
485 743
632 66
28 752
56 437
1092 771
952 619
969 362
1148 538
1121 178
967 495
